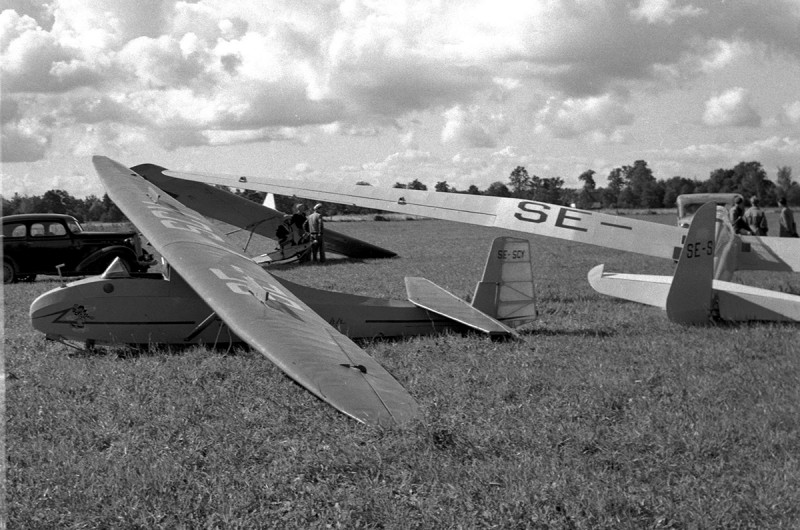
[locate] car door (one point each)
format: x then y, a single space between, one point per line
51 245
15 244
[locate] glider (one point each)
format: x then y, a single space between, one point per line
224 206
734 252
692 295
210 293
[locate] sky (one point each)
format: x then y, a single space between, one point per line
391 91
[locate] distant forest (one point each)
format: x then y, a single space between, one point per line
628 187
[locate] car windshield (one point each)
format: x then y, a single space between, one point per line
691 208
74 227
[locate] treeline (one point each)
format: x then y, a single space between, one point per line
632 186
635 186
91 208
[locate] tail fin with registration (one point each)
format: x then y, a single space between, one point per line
687 296
690 297
506 291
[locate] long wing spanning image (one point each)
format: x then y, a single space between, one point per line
534 217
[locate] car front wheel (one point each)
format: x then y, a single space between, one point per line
9 273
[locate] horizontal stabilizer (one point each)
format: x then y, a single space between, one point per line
430 296
739 302
642 288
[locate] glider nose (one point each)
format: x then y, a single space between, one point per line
59 313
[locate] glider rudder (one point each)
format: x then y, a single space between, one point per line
506 290
691 295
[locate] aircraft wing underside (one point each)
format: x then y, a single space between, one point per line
621 233
533 217
257 307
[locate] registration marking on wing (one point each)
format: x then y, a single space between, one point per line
241 283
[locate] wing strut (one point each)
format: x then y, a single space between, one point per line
202 326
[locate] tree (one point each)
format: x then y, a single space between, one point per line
616 182
413 185
676 186
519 183
111 214
498 189
644 190
473 190
548 189
443 187
587 177
783 181
57 201
753 180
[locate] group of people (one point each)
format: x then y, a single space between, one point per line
753 221
300 228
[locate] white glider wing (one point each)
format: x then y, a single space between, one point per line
257 307
533 217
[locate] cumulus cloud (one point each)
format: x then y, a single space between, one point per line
212 73
663 11
21 143
791 113
598 118
471 127
732 108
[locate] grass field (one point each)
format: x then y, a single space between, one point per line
605 416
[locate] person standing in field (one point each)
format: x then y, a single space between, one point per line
298 222
316 227
755 218
737 217
787 228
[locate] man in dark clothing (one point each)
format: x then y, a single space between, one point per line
298 222
788 228
737 217
316 227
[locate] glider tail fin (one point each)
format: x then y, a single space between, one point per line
506 291
690 296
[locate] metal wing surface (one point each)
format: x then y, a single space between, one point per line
769 253
533 217
256 306
427 295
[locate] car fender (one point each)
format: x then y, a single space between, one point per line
121 251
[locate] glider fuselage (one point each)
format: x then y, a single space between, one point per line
149 309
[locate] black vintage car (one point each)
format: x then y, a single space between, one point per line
41 243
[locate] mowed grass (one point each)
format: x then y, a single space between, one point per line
605 416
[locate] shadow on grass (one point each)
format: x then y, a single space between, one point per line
556 332
137 351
